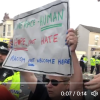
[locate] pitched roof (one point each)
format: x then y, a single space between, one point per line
92 29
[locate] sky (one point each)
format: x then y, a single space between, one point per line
86 12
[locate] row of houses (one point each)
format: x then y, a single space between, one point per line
6 27
88 41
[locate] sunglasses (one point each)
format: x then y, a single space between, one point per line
53 82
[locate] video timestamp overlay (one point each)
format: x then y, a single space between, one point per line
75 93
78 93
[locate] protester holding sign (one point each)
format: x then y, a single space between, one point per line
58 86
39 41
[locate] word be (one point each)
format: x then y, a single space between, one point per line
14 58
63 61
49 38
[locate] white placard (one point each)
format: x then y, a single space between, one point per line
39 41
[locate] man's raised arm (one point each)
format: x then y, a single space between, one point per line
30 77
76 81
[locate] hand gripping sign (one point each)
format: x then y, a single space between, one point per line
39 41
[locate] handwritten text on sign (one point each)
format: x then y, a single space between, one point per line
41 60
44 20
49 39
39 40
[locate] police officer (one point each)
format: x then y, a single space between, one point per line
82 63
4 73
8 75
92 63
85 60
97 65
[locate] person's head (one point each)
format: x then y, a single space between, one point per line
56 84
98 57
93 56
3 52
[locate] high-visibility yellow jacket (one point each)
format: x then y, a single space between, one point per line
97 61
15 83
92 61
85 60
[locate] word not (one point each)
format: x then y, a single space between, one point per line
14 58
49 38
31 41
25 24
52 17
49 61
63 61
30 62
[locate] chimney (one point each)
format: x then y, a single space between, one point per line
6 16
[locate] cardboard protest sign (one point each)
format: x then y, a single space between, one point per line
39 40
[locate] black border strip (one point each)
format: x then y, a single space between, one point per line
41 10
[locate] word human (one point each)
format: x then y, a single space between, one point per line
49 39
52 17
15 58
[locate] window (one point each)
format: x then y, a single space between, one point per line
4 30
9 27
96 42
9 30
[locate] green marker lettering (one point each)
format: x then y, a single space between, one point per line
44 20
49 17
54 17
25 24
60 16
41 21
33 22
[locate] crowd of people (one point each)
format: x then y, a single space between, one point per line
52 86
